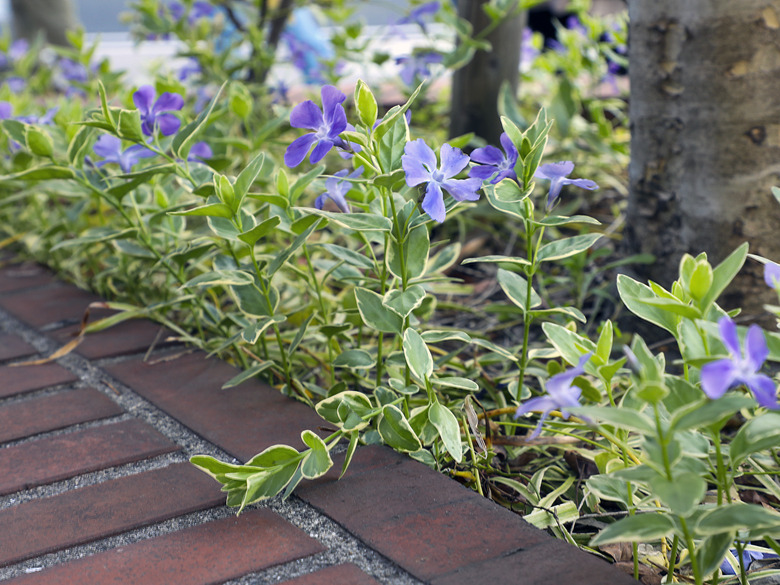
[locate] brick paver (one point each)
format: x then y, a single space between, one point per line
419 520
20 379
59 457
210 553
52 412
96 511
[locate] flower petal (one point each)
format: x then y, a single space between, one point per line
320 150
482 172
143 98
425 156
509 148
331 99
337 122
556 184
306 115
717 377
463 189
537 404
453 160
756 350
764 390
728 334
298 149
772 274
433 203
582 183
417 154
107 146
554 170
168 101
487 155
168 124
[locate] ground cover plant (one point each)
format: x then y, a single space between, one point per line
326 246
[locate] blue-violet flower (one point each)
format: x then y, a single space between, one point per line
416 67
327 124
154 113
495 165
419 164
110 148
772 274
560 396
557 174
337 188
741 367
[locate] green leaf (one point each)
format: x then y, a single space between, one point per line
351 448
681 494
512 260
185 138
643 528
207 210
560 220
396 431
266 484
253 332
706 412
609 488
757 434
396 112
349 410
568 343
247 177
317 461
443 259
95 235
252 302
78 146
284 255
416 247
724 273
712 551
404 302
261 230
417 355
558 249
456 382
391 146
436 336
635 296
674 306
447 426
358 359
736 517
366 104
564 513
304 181
247 374
360 222
375 314
39 142
40 173
620 417
129 125
220 278
517 289
213 467
515 209
392 180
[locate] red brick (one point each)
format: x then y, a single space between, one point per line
51 304
243 420
22 276
210 553
97 511
20 379
54 458
13 347
336 575
444 538
554 561
132 336
56 411
371 493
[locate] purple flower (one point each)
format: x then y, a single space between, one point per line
419 164
16 84
560 396
741 367
417 67
6 110
199 152
748 556
772 274
44 120
73 71
153 113
337 188
416 15
495 165
527 50
200 10
327 124
556 173
190 68
110 148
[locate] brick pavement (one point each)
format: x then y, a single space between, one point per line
96 488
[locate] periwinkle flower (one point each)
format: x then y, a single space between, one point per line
494 165
308 45
417 66
199 152
560 396
557 174
772 274
528 52
6 110
336 189
73 71
16 84
154 114
416 15
326 124
748 556
190 68
741 367
110 148
419 164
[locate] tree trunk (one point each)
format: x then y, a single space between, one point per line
705 136
51 18
476 86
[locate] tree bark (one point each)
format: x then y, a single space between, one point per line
705 136
52 18
475 87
